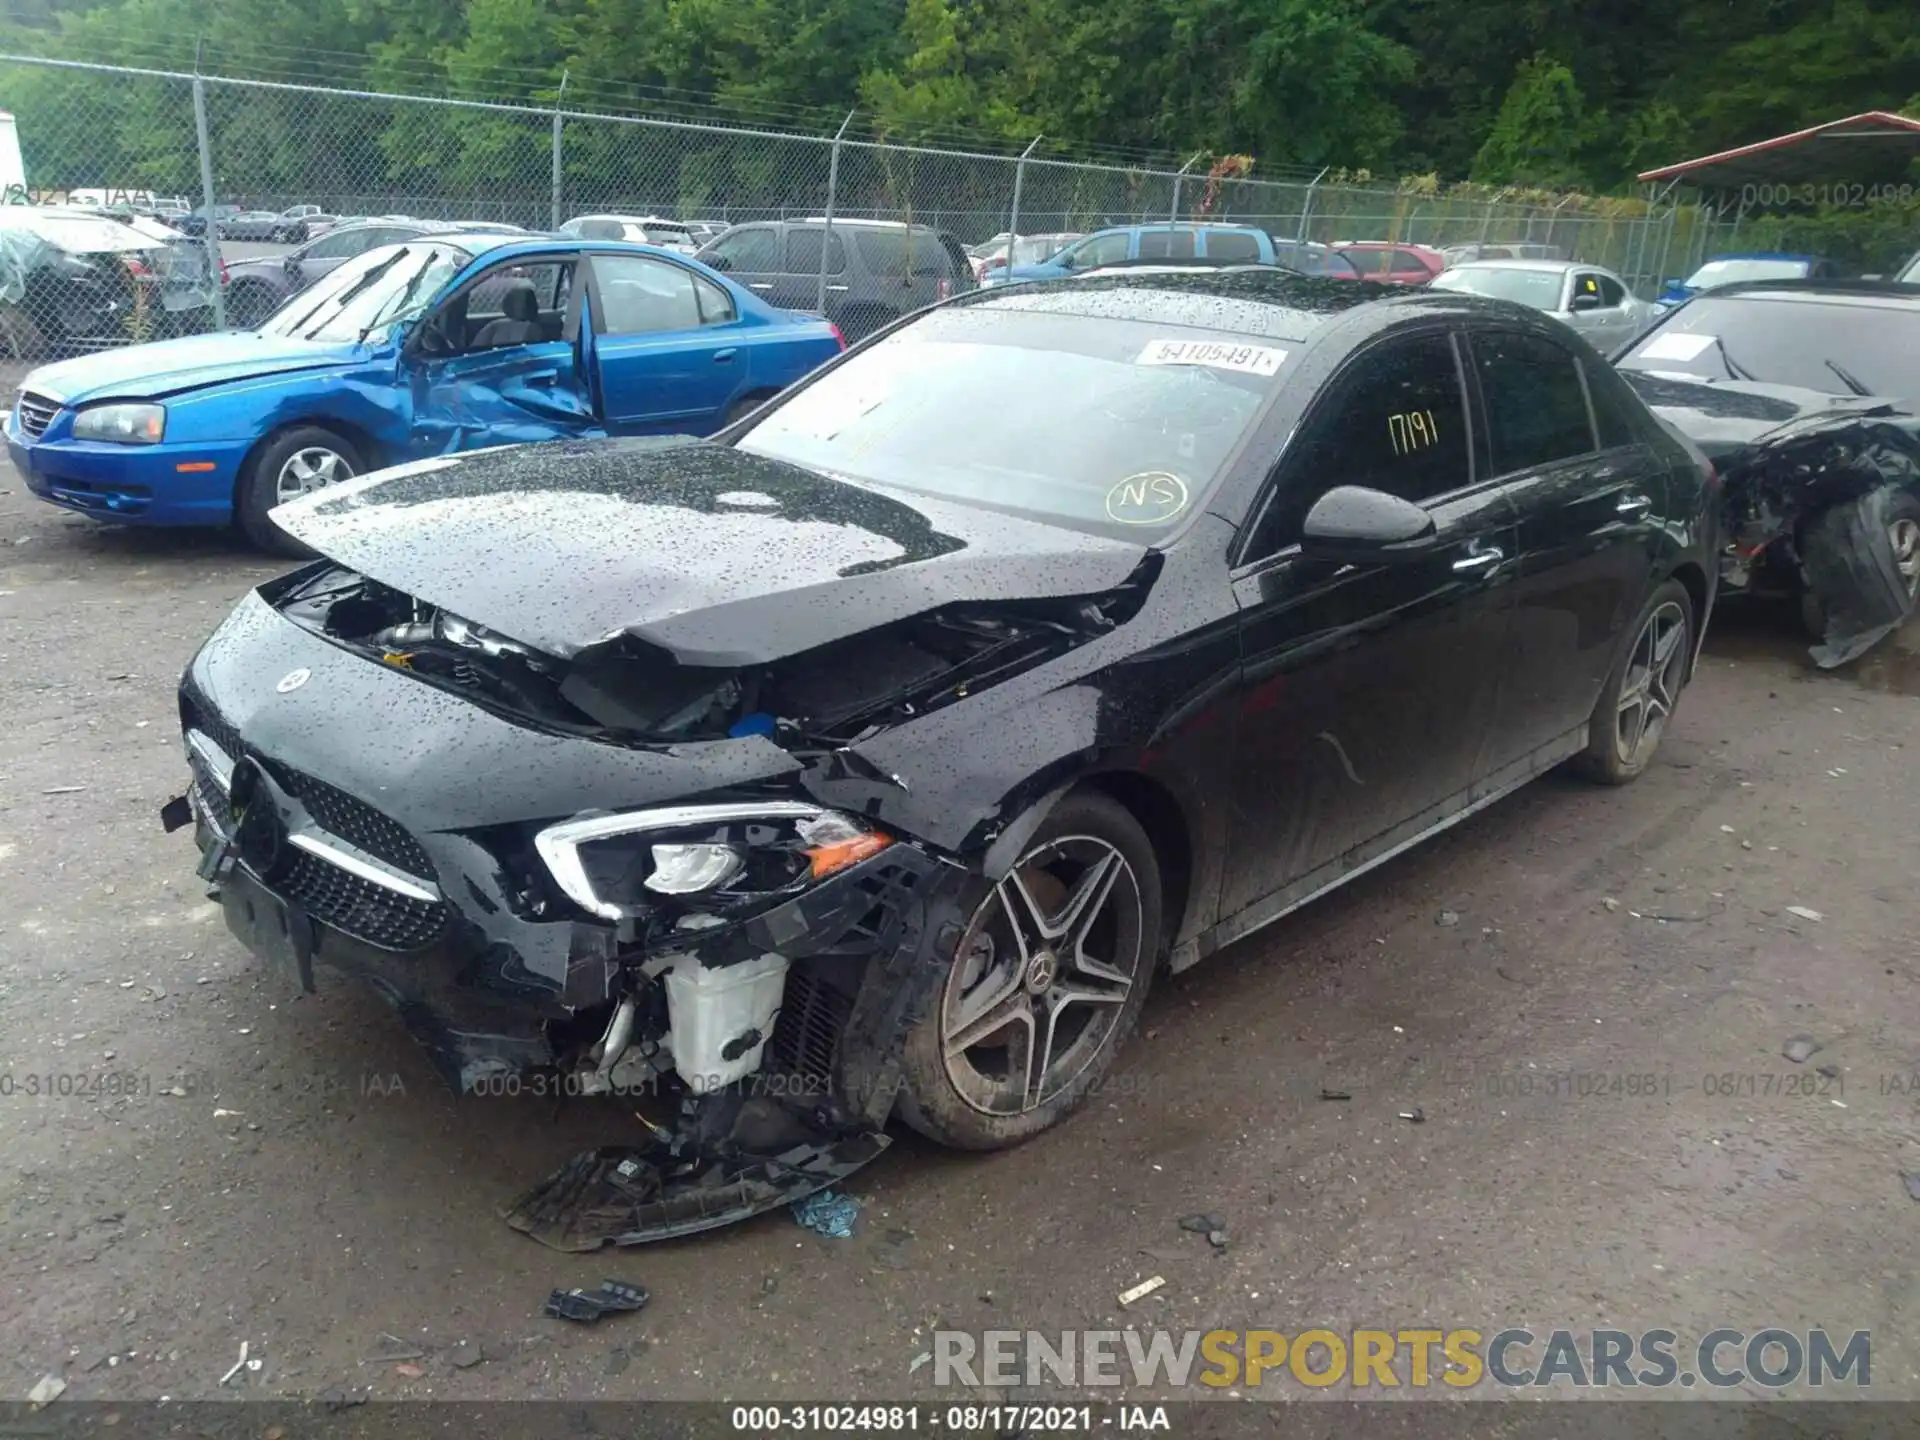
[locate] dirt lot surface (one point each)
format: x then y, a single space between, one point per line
289 1173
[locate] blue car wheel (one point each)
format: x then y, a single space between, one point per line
294 463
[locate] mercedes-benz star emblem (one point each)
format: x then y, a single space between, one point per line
294 679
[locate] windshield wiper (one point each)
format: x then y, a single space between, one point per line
400 305
1736 371
340 301
1851 383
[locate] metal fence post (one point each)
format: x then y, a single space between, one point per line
833 189
1174 214
1306 207
1019 181
558 121
210 236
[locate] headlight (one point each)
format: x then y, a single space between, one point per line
619 865
122 424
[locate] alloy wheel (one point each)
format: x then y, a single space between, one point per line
1042 975
308 470
1655 669
1904 534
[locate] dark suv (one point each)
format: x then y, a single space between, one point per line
877 270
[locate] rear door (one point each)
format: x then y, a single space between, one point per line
1369 689
667 357
1166 243
1588 495
797 286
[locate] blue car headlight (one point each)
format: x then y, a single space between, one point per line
122 424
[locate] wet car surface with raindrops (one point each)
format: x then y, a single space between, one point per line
866 763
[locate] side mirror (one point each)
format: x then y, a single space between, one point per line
1353 524
1584 302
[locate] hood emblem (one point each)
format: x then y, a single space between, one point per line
293 680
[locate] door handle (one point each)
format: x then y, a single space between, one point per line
1633 506
837 289
1479 562
757 285
723 357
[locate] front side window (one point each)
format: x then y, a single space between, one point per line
1612 293
748 252
1536 404
1394 421
1099 250
1112 426
641 296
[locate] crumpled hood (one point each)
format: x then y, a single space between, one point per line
167 367
1724 417
718 556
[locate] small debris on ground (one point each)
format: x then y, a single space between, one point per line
238 1365
1911 1178
1142 1290
466 1355
63 790
1446 917
1217 1239
1416 1115
587 1306
1799 1048
827 1212
1611 903
618 1358
412 1372
1326 1094
46 1390
1803 913
1830 1072
1202 1224
921 1359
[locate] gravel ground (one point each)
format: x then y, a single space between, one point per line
315 1189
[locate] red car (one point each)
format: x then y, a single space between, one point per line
1395 264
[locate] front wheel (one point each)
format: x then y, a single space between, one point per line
1641 693
294 463
1045 983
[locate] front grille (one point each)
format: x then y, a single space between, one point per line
357 823
211 794
35 413
807 1032
358 907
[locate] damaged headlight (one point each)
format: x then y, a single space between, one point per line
122 424
614 865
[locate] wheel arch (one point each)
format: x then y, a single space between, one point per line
365 443
1693 579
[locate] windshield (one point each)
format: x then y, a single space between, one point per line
1036 249
391 283
1729 272
1790 341
1112 426
1538 288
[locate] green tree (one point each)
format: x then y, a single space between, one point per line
1537 136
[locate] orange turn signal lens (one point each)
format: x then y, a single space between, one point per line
194 467
838 855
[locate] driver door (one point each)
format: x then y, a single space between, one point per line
476 383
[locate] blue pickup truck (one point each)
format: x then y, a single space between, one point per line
1147 242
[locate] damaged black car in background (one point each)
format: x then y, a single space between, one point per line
1806 396
869 759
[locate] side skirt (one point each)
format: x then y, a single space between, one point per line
1382 848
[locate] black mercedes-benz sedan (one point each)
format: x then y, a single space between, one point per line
869 759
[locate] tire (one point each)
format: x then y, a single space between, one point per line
261 488
1644 689
1903 532
984 1098
249 304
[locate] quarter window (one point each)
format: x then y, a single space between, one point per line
1536 406
1394 421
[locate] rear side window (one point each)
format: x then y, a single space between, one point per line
1612 292
804 249
639 296
1408 262
1393 421
1166 245
1536 404
1232 245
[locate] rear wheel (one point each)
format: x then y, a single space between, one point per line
294 463
1639 697
1045 984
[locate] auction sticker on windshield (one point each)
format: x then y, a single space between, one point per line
1675 347
1246 359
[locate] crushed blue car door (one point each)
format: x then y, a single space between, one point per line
667 346
506 396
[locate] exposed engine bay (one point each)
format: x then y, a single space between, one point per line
626 691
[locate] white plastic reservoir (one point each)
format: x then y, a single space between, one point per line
711 1012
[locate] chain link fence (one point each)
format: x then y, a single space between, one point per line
219 178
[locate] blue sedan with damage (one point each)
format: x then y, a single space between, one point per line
444 343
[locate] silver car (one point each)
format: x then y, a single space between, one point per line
1589 299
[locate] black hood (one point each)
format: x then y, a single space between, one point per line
1724 417
718 556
